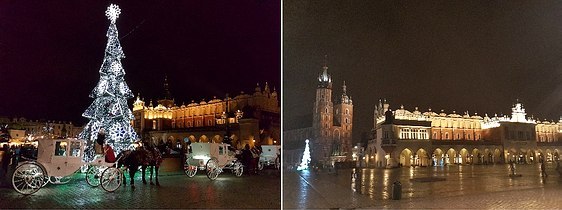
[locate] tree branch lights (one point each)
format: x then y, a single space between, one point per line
110 111
305 158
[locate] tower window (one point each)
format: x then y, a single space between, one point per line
346 111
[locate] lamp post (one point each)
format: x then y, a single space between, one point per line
226 138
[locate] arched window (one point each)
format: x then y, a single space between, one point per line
446 135
346 111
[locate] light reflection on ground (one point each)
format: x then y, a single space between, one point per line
352 188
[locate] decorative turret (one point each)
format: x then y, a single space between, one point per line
518 113
258 88
274 93
139 104
266 88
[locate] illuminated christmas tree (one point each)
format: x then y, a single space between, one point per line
305 158
109 111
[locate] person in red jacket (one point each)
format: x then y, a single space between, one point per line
109 154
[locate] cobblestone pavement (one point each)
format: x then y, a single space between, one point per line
176 190
454 186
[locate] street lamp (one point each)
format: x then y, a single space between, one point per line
226 138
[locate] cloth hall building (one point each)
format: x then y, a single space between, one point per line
245 119
415 138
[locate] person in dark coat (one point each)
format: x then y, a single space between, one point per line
247 158
100 141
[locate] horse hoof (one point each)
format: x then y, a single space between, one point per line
157 184
151 183
144 182
133 187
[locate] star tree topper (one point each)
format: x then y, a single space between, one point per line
112 12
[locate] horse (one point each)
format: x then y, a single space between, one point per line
142 157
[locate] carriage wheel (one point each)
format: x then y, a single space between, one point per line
212 168
238 169
46 181
278 163
93 175
189 169
28 178
260 165
111 179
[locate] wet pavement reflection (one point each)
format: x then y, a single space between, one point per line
353 188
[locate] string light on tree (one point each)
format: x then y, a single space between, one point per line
305 158
110 111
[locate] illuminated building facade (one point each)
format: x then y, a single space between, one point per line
331 131
405 138
22 129
245 118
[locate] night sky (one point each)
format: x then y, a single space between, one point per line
476 56
50 53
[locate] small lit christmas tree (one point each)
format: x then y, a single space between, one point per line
109 111
305 158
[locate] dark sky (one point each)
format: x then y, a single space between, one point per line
50 53
478 56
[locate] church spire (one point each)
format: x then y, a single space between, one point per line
345 99
325 79
167 94
167 100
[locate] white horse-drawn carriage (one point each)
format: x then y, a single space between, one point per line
212 157
270 156
58 159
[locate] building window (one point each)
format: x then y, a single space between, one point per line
447 135
434 135
153 124
346 111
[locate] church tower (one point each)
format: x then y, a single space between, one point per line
344 115
323 116
167 100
